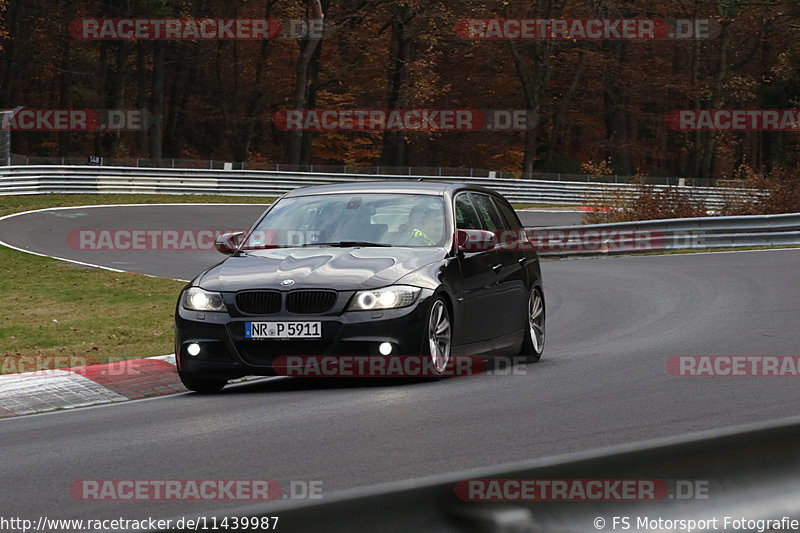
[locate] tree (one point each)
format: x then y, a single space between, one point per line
306 69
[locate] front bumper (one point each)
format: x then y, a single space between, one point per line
225 353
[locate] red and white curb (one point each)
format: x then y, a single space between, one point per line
48 390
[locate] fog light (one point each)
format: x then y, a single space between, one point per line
193 349
385 348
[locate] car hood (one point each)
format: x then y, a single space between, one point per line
335 268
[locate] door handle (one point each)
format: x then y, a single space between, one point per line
523 260
497 267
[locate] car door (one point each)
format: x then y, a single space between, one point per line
477 292
512 280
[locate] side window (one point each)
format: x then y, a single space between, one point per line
466 216
488 213
512 221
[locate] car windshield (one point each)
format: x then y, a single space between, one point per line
351 219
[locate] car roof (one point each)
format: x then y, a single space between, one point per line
390 187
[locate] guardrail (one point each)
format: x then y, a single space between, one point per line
626 237
748 472
16 180
670 234
19 159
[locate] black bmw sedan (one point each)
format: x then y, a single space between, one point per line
380 269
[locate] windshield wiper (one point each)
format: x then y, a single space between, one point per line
347 244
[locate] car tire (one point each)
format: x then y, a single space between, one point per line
533 343
202 385
439 336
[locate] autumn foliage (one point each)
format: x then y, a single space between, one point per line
589 100
778 192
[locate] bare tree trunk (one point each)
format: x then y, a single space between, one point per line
616 101
534 85
116 94
170 148
308 46
563 103
257 101
393 152
694 158
535 79
101 91
529 159
141 95
10 53
708 146
157 102
65 81
313 87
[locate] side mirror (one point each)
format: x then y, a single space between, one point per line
227 243
475 240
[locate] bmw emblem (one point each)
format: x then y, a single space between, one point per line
287 282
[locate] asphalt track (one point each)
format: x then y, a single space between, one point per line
48 231
612 325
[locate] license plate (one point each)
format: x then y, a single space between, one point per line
283 330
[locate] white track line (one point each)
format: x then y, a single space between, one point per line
682 253
92 265
68 389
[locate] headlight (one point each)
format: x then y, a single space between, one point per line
386 298
196 299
